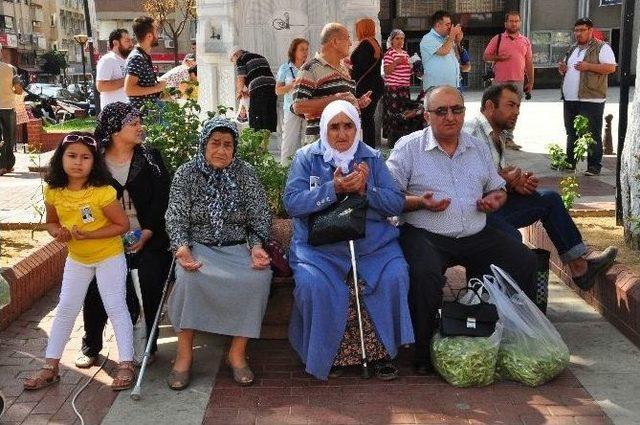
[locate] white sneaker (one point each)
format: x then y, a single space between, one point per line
83 361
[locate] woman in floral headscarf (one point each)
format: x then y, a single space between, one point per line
142 184
218 220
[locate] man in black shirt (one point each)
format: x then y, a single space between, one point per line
254 72
140 83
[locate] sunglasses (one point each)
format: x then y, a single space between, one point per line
444 110
73 138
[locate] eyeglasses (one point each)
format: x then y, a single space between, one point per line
73 138
442 111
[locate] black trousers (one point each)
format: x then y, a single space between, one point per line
262 108
153 266
429 255
368 120
8 129
594 112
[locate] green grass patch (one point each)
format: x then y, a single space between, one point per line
75 124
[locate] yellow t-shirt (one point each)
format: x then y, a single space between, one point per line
83 209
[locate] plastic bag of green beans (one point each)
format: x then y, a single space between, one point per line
466 361
531 351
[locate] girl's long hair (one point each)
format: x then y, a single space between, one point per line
99 175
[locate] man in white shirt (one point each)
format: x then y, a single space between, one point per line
110 71
584 89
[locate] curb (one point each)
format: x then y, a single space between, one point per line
30 279
616 294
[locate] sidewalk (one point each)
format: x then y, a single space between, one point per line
600 386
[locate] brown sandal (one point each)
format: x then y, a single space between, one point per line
125 375
37 382
178 381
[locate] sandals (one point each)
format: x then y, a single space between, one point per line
178 381
385 371
37 381
125 376
242 375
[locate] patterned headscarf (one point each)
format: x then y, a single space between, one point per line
221 191
112 118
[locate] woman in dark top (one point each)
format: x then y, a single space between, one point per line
142 183
366 61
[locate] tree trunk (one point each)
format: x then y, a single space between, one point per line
630 171
176 62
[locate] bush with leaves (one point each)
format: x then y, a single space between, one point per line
569 186
253 148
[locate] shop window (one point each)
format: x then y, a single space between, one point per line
549 47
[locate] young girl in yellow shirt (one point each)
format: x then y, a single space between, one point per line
82 211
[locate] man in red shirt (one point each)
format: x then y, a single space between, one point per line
512 60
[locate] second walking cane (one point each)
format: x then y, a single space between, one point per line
365 363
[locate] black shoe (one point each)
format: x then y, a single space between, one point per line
423 368
385 370
592 171
336 372
596 265
568 167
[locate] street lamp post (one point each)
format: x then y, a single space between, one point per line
81 39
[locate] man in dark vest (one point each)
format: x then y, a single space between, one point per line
584 89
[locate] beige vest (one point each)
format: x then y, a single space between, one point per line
7 97
592 85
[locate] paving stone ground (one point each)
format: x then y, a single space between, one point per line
285 394
22 347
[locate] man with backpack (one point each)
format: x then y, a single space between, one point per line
512 60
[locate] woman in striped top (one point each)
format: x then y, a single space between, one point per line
397 77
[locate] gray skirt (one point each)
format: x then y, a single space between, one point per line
225 296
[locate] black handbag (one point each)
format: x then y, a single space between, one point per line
457 319
343 221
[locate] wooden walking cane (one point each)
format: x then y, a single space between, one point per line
365 363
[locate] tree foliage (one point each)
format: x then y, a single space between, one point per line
54 62
172 17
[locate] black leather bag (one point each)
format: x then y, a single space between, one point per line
343 221
478 320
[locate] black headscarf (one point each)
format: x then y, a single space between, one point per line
111 119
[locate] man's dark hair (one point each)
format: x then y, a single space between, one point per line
56 176
194 70
439 16
116 35
493 93
584 21
511 13
142 26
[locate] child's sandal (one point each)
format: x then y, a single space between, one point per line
37 381
125 376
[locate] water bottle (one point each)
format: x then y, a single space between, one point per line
131 237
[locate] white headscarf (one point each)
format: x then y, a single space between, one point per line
340 159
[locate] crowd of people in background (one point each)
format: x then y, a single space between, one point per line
458 198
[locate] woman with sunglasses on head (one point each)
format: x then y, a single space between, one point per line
83 212
142 184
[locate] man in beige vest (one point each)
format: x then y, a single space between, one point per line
9 86
584 89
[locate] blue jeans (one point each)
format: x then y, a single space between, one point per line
546 206
592 111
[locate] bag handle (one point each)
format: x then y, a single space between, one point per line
368 70
473 289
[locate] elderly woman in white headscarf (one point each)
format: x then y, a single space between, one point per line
324 328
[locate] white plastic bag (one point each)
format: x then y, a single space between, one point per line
531 351
467 361
140 327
